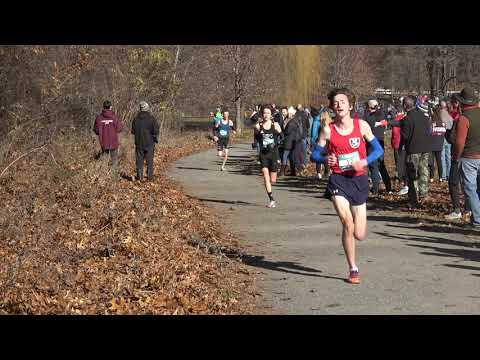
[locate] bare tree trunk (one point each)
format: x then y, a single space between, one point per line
238 90
174 78
239 118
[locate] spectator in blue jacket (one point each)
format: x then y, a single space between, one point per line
315 126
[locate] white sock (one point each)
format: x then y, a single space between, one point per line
354 268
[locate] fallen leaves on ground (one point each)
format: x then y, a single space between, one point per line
76 239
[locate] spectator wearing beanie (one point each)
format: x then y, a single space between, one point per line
146 130
375 117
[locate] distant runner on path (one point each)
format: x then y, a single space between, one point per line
222 130
347 157
267 132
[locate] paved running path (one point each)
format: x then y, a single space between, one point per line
406 267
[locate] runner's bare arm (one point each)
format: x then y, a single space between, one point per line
319 153
232 126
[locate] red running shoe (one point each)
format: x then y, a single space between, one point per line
354 277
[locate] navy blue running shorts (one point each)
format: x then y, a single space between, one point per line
353 188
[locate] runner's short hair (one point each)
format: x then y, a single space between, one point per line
268 107
344 91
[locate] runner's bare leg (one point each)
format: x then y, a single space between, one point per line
273 178
225 158
342 206
266 178
359 214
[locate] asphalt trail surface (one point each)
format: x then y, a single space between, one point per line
406 267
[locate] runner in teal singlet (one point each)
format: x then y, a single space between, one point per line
222 136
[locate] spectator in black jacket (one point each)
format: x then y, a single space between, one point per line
377 121
281 137
416 134
254 119
279 116
291 137
146 130
438 138
299 148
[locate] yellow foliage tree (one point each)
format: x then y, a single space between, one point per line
305 73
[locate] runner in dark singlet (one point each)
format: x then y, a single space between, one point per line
347 157
267 132
222 136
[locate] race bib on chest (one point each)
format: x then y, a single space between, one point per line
345 161
268 140
223 132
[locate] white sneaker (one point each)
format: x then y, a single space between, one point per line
223 168
271 204
403 191
453 216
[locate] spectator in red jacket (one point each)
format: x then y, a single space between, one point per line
399 153
454 108
107 126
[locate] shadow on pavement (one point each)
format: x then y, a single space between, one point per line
389 218
441 229
191 168
466 255
284 266
242 157
247 165
429 239
233 202
463 254
465 267
243 165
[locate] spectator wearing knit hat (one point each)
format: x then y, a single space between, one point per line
146 130
376 118
467 149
